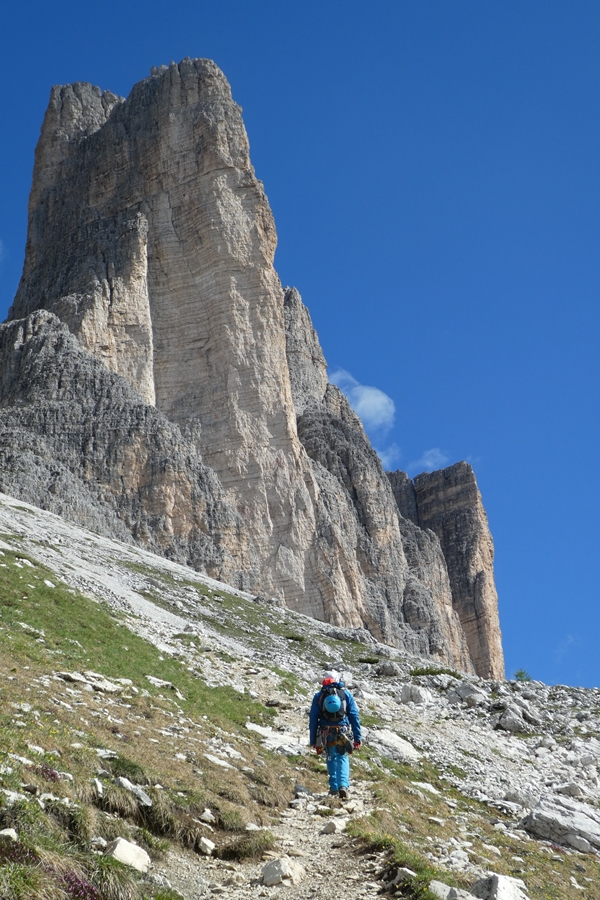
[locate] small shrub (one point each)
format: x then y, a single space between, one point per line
250 846
231 820
23 882
435 670
47 773
299 638
522 675
118 800
78 888
371 660
16 852
127 768
160 817
156 847
112 880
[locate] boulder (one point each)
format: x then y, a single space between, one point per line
439 889
388 668
129 854
282 871
499 887
414 693
526 797
208 817
205 846
334 826
8 835
565 820
512 720
402 875
391 745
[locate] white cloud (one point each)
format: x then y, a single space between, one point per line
389 456
375 409
429 461
564 647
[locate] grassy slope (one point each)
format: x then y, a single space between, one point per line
162 739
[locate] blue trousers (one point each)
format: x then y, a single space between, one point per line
338 768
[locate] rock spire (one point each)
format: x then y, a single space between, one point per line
205 424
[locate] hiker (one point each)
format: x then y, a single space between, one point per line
335 728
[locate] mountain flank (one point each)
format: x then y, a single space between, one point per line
154 747
158 384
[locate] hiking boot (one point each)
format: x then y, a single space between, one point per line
343 793
332 793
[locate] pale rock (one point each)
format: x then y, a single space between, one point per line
208 817
439 889
282 870
425 786
445 892
140 795
388 668
218 762
129 854
524 797
390 744
403 874
500 887
565 821
8 835
334 826
571 789
206 846
512 720
414 693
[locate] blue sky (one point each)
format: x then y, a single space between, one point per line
433 167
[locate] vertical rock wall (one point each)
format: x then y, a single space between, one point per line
448 503
151 238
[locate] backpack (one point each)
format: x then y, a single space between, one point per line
333 718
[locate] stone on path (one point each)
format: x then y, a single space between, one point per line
282 871
129 854
334 826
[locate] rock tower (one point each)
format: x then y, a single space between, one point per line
163 387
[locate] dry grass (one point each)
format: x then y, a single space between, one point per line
250 846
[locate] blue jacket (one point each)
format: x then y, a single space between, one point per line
351 717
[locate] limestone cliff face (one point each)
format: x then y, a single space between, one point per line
449 503
398 569
151 238
77 440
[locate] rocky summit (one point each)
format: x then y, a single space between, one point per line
159 385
